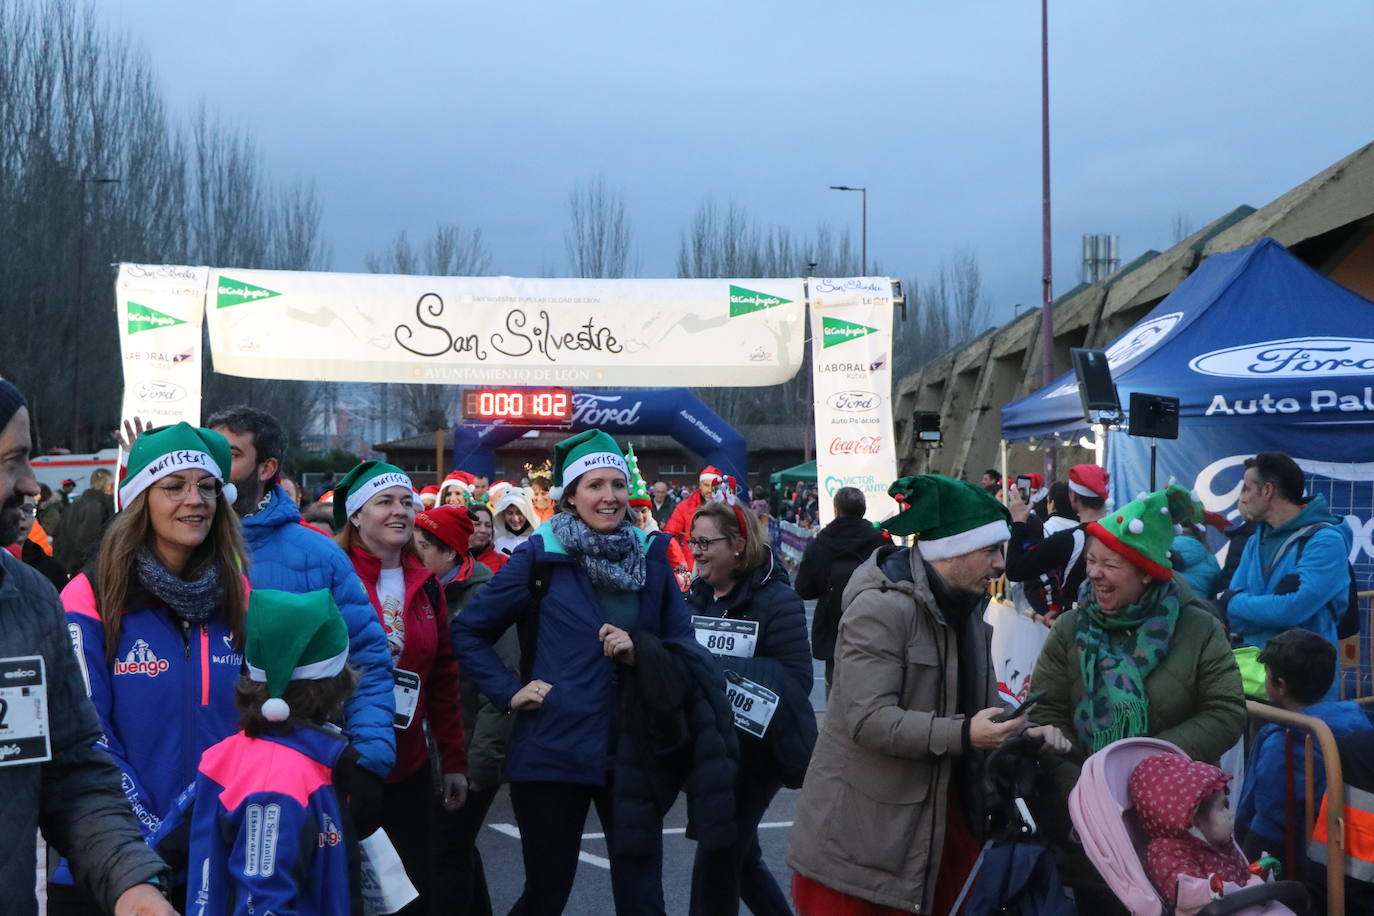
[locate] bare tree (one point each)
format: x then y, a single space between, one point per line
598 236
943 312
451 251
1180 226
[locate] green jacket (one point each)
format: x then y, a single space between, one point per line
1195 694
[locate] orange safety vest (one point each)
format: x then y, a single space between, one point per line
40 537
1359 834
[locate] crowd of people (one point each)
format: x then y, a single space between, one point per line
246 700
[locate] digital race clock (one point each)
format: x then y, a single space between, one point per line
542 406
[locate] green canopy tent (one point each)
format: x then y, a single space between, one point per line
801 473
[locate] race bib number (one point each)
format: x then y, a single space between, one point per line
752 704
735 638
23 711
407 694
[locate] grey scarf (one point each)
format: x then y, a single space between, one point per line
614 562
194 601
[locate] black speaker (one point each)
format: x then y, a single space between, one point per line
1096 389
1153 416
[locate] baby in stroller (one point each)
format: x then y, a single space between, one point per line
1156 826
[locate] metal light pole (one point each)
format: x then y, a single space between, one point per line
864 231
1047 267
74 334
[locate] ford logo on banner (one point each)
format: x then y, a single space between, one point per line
1293 357
855 401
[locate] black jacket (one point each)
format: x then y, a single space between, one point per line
844 540
781 662
676 734
75 798
664 512
83 525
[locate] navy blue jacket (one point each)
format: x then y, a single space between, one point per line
568 738
287 556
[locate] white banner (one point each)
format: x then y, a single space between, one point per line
504 330
160 308
851 351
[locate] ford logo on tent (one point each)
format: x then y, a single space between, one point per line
1293 357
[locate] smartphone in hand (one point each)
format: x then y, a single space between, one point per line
1024 708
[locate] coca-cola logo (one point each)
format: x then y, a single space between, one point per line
854 401
861 445
603 410
158 391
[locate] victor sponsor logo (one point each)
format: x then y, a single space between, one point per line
143 318
1139 339
835 331
141 660
745 301
236 292
854 401
159 391
862 445
1294 357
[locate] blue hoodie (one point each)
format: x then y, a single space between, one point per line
1197 565
1256 613
287 556
1261 809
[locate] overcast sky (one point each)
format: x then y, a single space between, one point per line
412 112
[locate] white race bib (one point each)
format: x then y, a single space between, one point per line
753 704
23 711
735 638
407 694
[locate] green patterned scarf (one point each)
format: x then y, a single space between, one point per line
1116 652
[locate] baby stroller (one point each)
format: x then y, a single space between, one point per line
1104 817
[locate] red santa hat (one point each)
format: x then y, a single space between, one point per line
711 474
1089 480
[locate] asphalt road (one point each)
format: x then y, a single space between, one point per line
591 895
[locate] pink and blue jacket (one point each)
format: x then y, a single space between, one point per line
266 827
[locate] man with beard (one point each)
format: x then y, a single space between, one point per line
55 777
291 557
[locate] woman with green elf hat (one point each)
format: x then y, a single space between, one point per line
603 580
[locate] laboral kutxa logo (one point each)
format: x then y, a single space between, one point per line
236 292
142 318
835 331
1293 357
745 301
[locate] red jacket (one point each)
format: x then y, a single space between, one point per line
680 524
492 558
428 652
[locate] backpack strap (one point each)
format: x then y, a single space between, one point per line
527 627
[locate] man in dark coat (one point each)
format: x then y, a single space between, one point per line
54 777
838 549
83 523
661 504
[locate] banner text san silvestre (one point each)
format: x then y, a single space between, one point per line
522 336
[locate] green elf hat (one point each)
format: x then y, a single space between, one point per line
292 637
361 484
168 449
639 493
582 453
1143 531
949 517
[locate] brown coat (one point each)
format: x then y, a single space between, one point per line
871 819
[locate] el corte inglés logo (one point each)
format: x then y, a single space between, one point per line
743 301
236 292
142 318
836 331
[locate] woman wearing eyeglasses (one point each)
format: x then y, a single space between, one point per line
761 642
157 623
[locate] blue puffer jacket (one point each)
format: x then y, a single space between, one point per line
1192 558
1256 613
1261 809
568 738
289 557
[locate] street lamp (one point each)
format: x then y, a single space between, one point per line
73 335
864 248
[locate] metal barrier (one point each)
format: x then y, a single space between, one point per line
1335 792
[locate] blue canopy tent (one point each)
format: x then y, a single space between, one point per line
674 412
1263 353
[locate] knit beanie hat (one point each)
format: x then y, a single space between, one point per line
166 450
1089 480
11 399
586 451
949 517
450 524
361 484
1142 531
292 637
639 493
